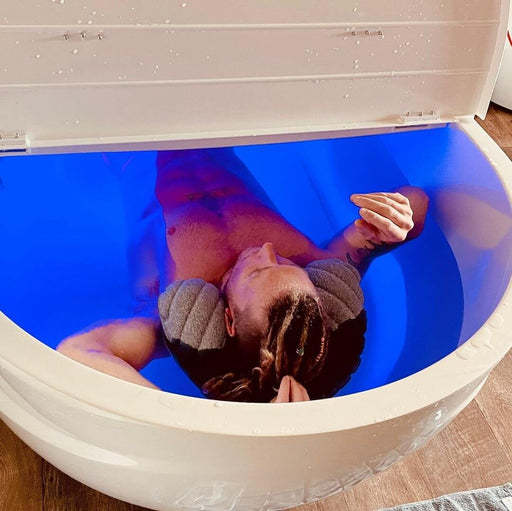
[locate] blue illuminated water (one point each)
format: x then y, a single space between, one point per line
65 221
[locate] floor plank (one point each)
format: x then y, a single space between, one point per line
495 402
62 493
20 474
498 123
466 456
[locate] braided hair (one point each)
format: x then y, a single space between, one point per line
295 343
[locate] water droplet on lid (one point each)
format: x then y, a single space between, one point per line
358 42
356 61
59 71
75 52
79 22
89 22
395 51
207 57
156 66
183 4
355 9
77 122
38 56
17 42
167 21
347 96
356 66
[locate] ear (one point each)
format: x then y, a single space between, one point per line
230 322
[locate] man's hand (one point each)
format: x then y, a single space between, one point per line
386 218
290 390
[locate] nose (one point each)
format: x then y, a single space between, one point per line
268 252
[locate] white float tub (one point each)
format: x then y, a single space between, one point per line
167 451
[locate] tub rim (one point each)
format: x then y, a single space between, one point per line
470 362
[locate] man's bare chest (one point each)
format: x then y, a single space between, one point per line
204 241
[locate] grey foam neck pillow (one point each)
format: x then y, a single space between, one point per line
192 316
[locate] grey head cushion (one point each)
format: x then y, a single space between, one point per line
338 284
192 316
193 312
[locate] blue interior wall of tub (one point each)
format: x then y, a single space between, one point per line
65 222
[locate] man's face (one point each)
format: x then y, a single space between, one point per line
258 277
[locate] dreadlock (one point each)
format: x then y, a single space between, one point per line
294 344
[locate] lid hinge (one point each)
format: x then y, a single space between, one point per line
421 117
13 142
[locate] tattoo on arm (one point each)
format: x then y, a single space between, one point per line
362 255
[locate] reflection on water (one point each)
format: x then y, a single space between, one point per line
68 223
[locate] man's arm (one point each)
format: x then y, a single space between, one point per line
387 220
119 348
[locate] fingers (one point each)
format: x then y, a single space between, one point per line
394 196
290 390
298 392
385 217
398 212
366 229
283 396
388 231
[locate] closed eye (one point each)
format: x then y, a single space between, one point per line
259 270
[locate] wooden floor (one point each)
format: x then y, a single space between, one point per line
474 451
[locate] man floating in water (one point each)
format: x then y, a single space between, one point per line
251 308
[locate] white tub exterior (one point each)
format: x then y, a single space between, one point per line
165 451
168 452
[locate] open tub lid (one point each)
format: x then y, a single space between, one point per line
188 72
